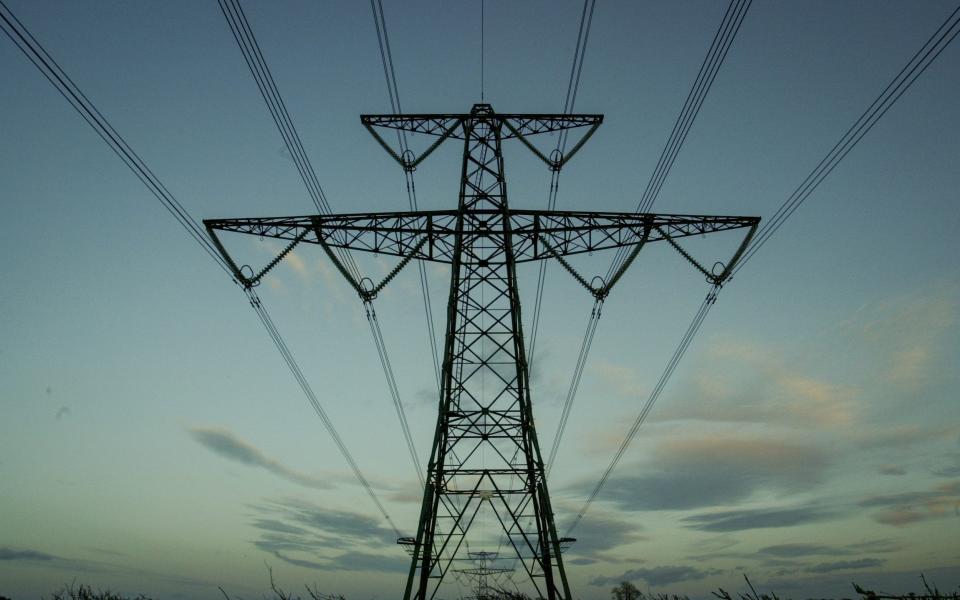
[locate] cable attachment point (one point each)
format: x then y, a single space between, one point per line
717 274
247 280
408 160
600 291
556 160
367 290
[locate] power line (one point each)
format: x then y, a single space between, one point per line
719 47
393 92
52 71
573 86
915 67
574 382
723 38
392 386
253 56
314 402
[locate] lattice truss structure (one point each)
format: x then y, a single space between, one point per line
485 461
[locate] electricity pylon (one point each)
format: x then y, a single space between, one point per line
486 455
482 572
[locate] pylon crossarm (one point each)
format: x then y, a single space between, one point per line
402 233
570 232
408 160
429 124
532 124
448 124
424 235
554 162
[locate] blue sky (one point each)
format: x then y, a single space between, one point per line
152 440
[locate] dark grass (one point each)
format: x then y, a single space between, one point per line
624 591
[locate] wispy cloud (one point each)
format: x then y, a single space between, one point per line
906 508
891 470
845 565
13 554
602 533
908 330
750 383
760 518
302 533
656 576
351 561
730 468
799 550
226 444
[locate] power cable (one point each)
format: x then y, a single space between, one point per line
52 71
314 402
253 56
393 92
573 85
719 47
915 67
392 386
574 382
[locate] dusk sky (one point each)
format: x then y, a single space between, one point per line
152 440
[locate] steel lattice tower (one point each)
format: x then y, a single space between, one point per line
485 459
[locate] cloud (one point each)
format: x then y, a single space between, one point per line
904 435
877 546
891 470
845 565
11 554
739 520
303 534
798 550
906 508
909 331
722 470
603 532
229 446
655 576
296 517
754 384
622 381
278 526
351 561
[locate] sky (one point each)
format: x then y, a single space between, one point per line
152 440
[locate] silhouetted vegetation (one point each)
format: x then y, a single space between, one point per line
85 592
623 591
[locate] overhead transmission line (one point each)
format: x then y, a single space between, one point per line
573 86
51 70
719 47
901 82
253 56
390 75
